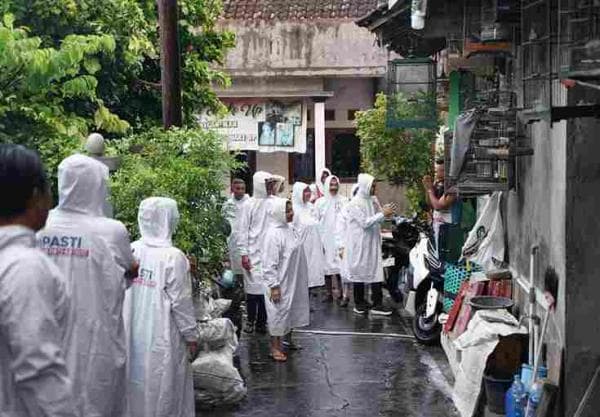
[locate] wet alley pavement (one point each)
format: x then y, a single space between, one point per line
346 375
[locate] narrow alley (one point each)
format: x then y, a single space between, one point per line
347 375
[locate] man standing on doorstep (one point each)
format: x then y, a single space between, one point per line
252 230
232 211
329 209
34 299
363 247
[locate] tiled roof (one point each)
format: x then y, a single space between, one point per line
297 9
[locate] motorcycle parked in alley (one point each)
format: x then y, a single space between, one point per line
415 276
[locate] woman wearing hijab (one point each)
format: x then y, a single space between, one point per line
329 208
159 318
305 218
285 273
341 236
363 247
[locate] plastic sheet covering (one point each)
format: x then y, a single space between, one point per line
476 344
216 381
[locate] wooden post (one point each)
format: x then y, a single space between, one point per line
170 67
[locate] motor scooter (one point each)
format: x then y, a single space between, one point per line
422 285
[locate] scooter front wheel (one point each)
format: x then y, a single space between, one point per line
427 330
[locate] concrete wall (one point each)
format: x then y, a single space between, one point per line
316 48
583 255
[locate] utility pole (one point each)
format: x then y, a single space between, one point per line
170 67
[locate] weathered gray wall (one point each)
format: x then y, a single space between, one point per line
535 215
317 48
583 259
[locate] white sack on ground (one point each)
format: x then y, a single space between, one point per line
216 381
217 334
485 242
476 344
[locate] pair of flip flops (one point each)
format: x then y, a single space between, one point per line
278 356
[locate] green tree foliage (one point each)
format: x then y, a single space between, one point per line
186 165
44 89
129 84
402 156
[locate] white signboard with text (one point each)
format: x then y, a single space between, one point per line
261 125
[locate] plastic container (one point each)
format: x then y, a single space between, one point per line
534 399
527 373
495 392
515 399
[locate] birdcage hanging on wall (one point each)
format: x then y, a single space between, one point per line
412 87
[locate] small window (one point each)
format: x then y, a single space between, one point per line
345 155
329 115
308 115
352 114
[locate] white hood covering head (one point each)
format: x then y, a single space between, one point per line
259 185
82 185
157 219
365 183
298 194
326 192
277 212
318 182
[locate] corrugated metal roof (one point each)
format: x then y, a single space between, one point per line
297 9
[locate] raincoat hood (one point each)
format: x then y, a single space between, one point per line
279 181
259 186
277 212
365 183
297 194
157 220
318 182
326 192
16 235
82 185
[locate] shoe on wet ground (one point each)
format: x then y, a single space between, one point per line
361 309
381 311
249 329
344 303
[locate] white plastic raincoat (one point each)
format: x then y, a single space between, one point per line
34 318
341 236
159 318
253 226
329 208
363 247
305 218
232 210
321 187
76 237
82 195
285 266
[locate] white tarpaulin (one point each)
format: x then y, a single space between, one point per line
261 125
476 344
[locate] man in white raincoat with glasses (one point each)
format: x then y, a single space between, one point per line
159 319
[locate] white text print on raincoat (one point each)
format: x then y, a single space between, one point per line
82 195
363 247
95 343
232 211
285 266
253 226
329 208
33 321
159 318
305 218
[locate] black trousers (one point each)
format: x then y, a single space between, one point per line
257 313
376 293
236 295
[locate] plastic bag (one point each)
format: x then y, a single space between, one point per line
219 307
217 334
486 240
216 380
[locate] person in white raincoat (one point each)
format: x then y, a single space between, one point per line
87 205
329 208
363 246
159 319
305 218
320 182
95 344
341 239
34 303
285 272
253 226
